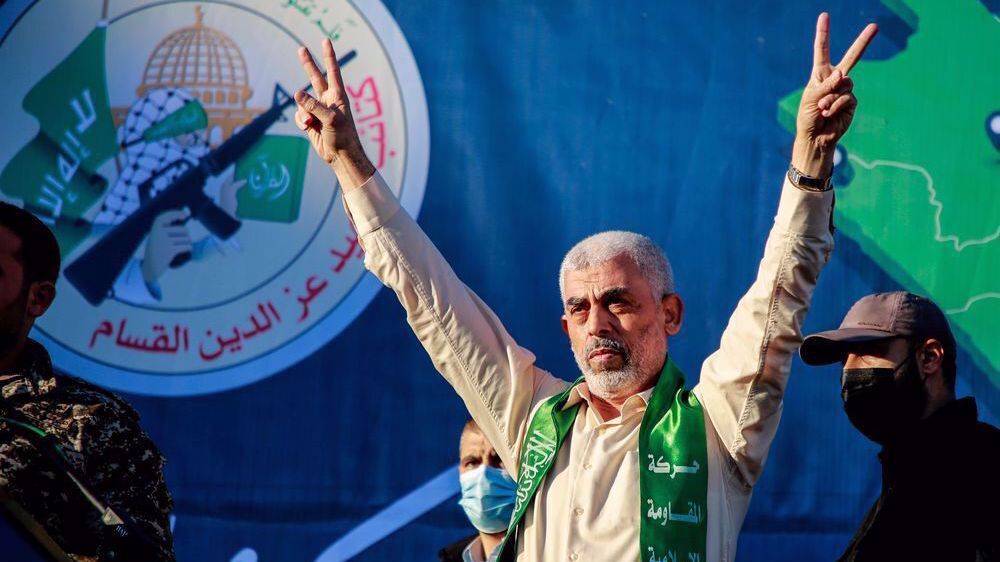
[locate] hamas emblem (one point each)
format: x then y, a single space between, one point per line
204 245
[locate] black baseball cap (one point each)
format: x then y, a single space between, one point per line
879 317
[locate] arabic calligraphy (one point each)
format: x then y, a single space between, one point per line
159 342
671 556
694 516
662 467
353 250
233 343
314 286
267 180
319 17
178 339
68 159
539 451
366 105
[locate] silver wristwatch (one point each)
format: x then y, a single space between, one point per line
809 183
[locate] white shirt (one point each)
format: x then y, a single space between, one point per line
587 507
474 552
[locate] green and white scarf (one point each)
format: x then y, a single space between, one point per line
673 471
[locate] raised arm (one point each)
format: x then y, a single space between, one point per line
328 123
743 382
495 377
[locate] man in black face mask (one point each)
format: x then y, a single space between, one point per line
940 495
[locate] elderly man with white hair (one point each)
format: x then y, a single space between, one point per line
626 462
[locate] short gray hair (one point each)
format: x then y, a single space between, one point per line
604 246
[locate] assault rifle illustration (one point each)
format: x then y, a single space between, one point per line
95 271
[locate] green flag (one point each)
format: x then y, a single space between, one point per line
274 170
190 117
53 186
71 103
55 173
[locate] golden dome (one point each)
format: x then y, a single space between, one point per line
204 61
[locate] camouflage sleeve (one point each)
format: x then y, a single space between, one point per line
124 465
27 478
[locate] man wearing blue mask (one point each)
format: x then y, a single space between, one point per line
940 489
487 498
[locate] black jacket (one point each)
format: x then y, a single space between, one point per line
453 552
940 493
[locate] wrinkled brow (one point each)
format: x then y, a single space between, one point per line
607 294
613 292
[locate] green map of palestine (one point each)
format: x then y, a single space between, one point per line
924 201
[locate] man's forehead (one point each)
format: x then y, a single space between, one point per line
618 272
472 441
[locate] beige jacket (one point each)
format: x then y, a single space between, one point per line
587 508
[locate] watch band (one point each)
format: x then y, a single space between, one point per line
809 183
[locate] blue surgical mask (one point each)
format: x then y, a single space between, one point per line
488 498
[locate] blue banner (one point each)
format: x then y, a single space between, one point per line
301 419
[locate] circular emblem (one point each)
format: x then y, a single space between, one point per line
204 244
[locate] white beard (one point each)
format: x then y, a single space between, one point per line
609 383
612 382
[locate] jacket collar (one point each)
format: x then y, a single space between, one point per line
33 374
944 429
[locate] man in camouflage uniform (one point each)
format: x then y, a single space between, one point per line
98 431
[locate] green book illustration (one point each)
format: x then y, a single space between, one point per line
274 170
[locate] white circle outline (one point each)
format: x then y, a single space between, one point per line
306 343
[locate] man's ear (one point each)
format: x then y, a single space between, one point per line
930 357
673 314
565 325
40 297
